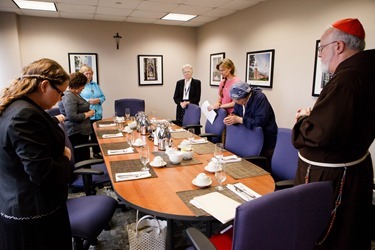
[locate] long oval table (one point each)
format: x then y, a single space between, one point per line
158 196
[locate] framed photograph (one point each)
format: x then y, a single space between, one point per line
259 68
320 79
150 70
77 60
215 76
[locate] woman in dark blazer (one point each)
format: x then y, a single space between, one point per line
188 90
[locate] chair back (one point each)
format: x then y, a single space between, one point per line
284 161
192 115
242 141
134 104
293 218
217 127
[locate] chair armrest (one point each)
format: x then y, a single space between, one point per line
192 126
86 145
209 135
284 184
260 161
88 171
87 163
199 240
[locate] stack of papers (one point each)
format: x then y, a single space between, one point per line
243 191
113 135
120 151
107 125
132 175
218 205
231 158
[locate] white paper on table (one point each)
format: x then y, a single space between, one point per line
231 158
210 115
177 130
218 205
107 125
120 151
113 135
199 141
132 175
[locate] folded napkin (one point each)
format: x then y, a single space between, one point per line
243 191
132 175
177 130
113 135
231 158
107 125
120 151
198 141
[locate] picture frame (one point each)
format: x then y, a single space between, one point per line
150 70
320 79
77 60
215 76
259 68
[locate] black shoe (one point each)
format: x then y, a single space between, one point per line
98 156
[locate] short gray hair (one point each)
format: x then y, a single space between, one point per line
351 41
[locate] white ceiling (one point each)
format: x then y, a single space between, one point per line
139 11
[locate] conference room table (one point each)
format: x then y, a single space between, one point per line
167 192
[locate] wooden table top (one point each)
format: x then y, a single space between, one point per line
157 196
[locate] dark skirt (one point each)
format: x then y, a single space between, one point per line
50 232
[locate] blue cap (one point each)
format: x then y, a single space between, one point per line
239 90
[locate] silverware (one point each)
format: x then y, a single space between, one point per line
244 192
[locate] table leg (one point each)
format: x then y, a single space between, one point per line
169 234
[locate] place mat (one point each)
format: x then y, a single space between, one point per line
128 166
165 157
244 169
179 135
204 148
100 133
187 196
116 145
106 123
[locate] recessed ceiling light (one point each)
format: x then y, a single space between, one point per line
178 17
35 5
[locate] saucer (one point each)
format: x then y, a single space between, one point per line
208 169
201 186
152 164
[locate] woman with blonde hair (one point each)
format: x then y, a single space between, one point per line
34 162
227 71
93 94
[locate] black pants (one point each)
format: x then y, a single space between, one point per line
93 138
81 153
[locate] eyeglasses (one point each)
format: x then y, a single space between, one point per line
57 90
321 47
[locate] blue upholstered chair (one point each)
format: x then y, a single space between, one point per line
192 118
213 131
134 104
293 218
242 141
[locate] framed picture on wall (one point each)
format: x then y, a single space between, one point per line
320 79
150 70
215 76
259 68
77 60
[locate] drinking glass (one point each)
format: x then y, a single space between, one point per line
120 123
191 132
218 153
144 153
220 175
127 113
130 138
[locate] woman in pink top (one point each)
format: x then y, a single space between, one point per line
227 69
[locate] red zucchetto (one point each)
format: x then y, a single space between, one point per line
351 26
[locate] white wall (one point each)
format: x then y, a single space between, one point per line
291 27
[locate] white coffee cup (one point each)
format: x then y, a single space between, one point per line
138 142
175 157
187 153
202 179
158 161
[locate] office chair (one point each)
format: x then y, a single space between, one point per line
88 174
284 160
242 141
293 218
88 216
192 118
134 104
213 131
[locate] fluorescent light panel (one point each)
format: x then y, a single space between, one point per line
178 17
35 5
